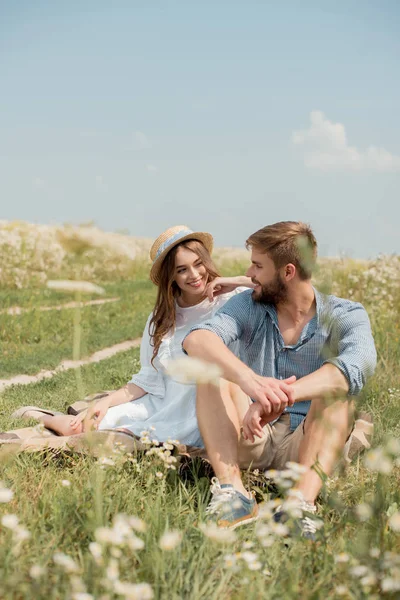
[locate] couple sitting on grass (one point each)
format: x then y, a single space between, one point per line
293 361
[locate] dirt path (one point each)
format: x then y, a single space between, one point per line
18 310
70 364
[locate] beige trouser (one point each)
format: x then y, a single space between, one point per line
278 445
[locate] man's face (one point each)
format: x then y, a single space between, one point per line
271 288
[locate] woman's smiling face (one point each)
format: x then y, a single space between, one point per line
190 273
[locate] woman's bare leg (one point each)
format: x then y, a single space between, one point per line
61 424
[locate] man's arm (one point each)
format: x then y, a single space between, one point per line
327 381
273 394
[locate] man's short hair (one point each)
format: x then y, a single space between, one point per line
287 242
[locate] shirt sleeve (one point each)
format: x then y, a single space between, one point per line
353 347
230 320
150 379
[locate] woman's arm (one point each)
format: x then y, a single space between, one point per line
98 409
223 285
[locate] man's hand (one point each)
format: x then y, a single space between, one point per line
273 395
255 419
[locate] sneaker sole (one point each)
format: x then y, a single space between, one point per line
240 523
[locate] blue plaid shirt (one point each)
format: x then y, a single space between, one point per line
339 333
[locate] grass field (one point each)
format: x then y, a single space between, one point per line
69 531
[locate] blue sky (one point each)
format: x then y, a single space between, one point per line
222 115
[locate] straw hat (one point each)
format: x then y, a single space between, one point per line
170 238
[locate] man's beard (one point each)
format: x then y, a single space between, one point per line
272 293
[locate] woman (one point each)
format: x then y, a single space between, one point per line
189 291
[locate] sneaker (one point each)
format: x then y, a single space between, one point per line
302 521
228 508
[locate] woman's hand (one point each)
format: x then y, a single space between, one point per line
223 285
95 414
77 421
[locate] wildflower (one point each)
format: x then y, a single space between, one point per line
82 596
343 557
213 532
6 495
364 511
75 286
66 562
105 461
247 545
21 534
390 584
394 522
266 573
377 460
159 474
137 524
393 446
10 521
134 591
254 566
193 370
279 529
65 483
341 590
230 561
36 571
368 581
374 553
170 540
112 571
96 550
359 571
135 543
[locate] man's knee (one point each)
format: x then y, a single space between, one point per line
335 415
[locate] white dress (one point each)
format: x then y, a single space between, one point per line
168 410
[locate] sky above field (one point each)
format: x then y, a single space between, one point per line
222 115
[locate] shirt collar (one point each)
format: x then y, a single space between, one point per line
307 331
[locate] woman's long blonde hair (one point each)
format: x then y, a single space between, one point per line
164 313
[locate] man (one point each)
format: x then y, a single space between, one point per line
302 356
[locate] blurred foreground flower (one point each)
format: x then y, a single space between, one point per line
6 495
134 591
86 287
170 540
193 370
378 460
394 522
66 562
215 533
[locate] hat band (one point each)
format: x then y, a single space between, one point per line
171 240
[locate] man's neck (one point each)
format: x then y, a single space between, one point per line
300 305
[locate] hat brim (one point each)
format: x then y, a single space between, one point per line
200 236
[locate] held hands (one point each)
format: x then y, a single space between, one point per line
271 397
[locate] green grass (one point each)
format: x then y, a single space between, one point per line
40 340
66 518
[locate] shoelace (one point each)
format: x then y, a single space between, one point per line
220 496
309 525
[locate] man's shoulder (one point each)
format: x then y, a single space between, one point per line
238 301
338 307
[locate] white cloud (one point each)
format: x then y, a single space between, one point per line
151 168
326 148
142 140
